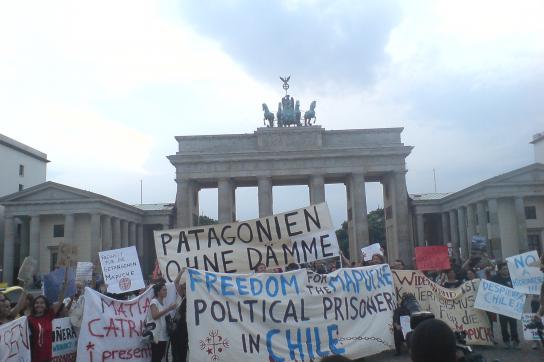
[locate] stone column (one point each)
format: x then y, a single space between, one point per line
69 228
358 236
9 249
266 202
34 239
96 243
482 219
116 243
420 230
445 233
226 202
400 205
24 239
106 233
453 233
471 224
317 189
493 208
131 233
124 233
140 240
461 221
183 204
522 224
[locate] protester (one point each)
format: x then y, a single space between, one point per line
179 337
397 265
470 274
157 315
335 358
451 281
433 341
260 268
503 278
75 305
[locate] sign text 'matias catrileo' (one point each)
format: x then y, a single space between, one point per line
297 236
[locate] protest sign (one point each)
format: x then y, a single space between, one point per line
64 341
67 255
14 341
529 334
27 269
497 298
111 330
84 271
369 251
525 279
297 236
298 315
478 245
52 284
405 325
432 257
121 270
453 306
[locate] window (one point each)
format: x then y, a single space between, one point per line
530 212
58 231
533 242
21 187
21 170
53 259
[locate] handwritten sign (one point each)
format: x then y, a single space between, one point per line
111 330
121 270
67 255
453 306
432 257
64 341
14 341
478 245
27 269
290 316
369 251
297 236
499 299
525 279
529 334
84 271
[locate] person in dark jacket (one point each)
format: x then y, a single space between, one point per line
511 338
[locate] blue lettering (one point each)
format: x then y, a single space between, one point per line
194 277
333 341
269 336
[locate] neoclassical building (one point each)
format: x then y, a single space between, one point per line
37 219
507 209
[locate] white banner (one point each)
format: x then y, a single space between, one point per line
111 329
290 316
64 341
525 279
121 270
369 251
297 236
497 298
84 271
14 341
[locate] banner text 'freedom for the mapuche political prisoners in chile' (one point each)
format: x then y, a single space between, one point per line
297 236
292 316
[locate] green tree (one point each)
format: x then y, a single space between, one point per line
205 220
376 231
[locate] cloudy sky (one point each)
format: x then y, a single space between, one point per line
103 87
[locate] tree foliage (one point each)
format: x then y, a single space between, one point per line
376 231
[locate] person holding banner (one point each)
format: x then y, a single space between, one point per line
157 314
503 278
179 337
7 314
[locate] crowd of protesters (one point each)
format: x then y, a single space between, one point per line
41 312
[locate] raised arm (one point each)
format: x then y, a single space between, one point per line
156 314
58 305
21 304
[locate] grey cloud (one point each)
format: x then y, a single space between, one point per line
315 42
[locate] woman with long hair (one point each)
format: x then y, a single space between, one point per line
158 312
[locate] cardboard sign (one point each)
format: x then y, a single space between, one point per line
369 251
67 255
52 284
453 306
121 270
27 269
64 341
84 271
298 315
497 298
478 245
432 257
297 236
111 330
14 341
529 334
525 279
